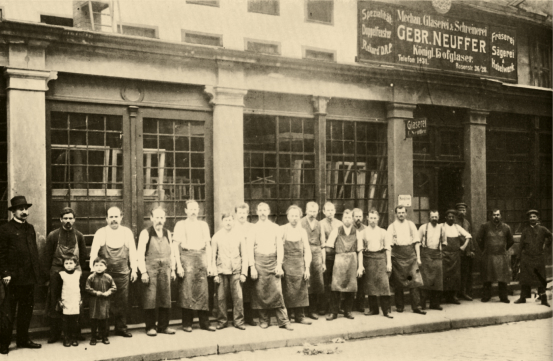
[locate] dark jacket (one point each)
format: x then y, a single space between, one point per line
67 239
502 230
19 253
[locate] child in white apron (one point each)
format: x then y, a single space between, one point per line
70 300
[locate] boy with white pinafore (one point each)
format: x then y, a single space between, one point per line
69 300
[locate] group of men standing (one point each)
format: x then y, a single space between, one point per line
322 267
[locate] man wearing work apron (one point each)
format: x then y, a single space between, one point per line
63 242
468 256
156 262
404 238
328 224
433 239
315 235
266 254
348 255
494 239
377 265
115 244
193 241
359 303
457 240
296 264
533 242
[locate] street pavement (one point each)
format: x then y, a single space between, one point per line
202 343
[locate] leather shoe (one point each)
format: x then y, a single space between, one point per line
520 300
454 301
399 309
304 321
331 317
54 339
420 312
167 331
221 326
66 343
264 325
105 341
75 343
29 344
252 322
349 316
151 332
287 327
81 338
437 308
123 333
187 329
4 349
208 328
313 316
466 297
322 312
504 300
485 299
240 327
93 341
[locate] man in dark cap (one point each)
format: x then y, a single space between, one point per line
456 243
494 239
61 243
20 270
467 256
533 241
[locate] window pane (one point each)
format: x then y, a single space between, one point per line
320 10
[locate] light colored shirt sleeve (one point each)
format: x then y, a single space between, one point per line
384 235
141 251
173 254
215 247
179 235
416 238
279 245
99 238
359 240
390 235
129 238
422 229
332 238
463 232
244 252
322 232
250 245
307 249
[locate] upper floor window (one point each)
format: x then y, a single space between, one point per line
263 47
56 20
193 37
204 2
270 7
138 30
540 62
321 11
318 54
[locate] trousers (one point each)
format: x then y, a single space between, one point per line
22 304
400 300
70 327
163 315
99 328
526 291
487 290
466 275
327 278
384 304
280 313
434 296
347 303
297 312
188 318
120 301
230 289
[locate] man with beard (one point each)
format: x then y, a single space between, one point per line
359 303
21 271
457 240
533 241
243 227
295 265
494 239
115 244
61 243
266 254
315 235
467 256
432 240
328 224
377 265
348 258
404 238
156 262
195 259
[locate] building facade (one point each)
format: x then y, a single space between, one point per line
140 104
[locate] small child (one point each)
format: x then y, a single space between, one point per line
100 285
69 300
229 256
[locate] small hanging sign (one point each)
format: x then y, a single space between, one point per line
416 127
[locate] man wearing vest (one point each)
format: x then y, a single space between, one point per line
359 303
315 235
348 255
432 241
328 224
468 256
63 242
404 238
115 244
156 262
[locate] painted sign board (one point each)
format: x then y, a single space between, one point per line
404 200
417 127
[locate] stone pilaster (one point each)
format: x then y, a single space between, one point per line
26 117
474 175
319 111
228 149
400 156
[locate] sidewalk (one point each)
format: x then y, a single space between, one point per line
201 343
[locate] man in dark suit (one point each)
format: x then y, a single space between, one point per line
20 271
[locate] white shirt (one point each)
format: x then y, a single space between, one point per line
265 238
434 235
455 231
403 231
114 238
331 241
192 234
143 240
375 237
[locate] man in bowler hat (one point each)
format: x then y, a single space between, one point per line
20 272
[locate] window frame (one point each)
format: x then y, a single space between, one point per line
306 10
266 42
219 36
537 68
263 12
305 49
155 28
55 16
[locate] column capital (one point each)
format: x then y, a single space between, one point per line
231 97
319 104
30 80
400 110
476 117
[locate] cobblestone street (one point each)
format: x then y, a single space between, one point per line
517 341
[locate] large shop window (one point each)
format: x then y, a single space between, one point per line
509 167
86 165
540 62
545 182
3 162
174 167
357 166
279 163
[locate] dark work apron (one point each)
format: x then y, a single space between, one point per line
267 292
431 265
316 281
405 270
495 259
157 293
344 273
532 259
294 286
193 287
376 278
118 268
451 261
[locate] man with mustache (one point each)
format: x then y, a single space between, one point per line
433 239
20 271
63 242
328 224
156 262
494 239
457 241
359 303
115 244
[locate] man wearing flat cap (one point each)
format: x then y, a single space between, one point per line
61 243
468 255
533 242
20 271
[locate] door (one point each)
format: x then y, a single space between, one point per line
450 188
